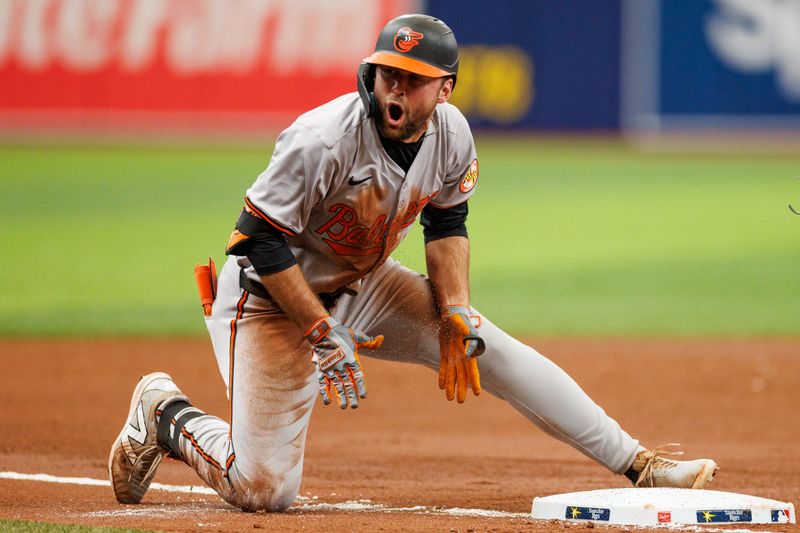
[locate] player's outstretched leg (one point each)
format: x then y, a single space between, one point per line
652 468
552 400
135 454
398 303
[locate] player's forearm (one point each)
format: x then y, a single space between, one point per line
448 270
291 292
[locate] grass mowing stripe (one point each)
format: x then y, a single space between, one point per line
569 237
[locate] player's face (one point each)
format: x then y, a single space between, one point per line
406 102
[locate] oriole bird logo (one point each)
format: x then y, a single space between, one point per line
406 39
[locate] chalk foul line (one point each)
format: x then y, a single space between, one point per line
303 503
310 503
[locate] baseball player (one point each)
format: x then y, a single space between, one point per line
310 285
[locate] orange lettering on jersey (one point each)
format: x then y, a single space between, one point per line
343 233
343 249
375 229
345 216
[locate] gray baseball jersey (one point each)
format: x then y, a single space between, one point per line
343 203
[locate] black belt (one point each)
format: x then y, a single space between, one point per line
328 299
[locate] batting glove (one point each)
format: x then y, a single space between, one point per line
459 346
335 352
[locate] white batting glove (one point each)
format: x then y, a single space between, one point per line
335 352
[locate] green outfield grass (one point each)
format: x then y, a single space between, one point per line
24 526
569 237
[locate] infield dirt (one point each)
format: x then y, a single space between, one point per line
63 403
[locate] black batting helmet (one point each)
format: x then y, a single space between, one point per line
417 43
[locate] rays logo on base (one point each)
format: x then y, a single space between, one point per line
725 515
587 513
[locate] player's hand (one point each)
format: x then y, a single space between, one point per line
459 346
335 348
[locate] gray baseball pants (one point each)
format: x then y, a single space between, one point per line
256 461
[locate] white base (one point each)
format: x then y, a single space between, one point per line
653 506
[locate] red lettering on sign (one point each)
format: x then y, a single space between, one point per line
151 62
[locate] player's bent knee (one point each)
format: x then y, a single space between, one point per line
281 499
275 495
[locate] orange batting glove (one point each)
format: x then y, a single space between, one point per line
459 346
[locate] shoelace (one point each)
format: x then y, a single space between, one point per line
153 466
655 462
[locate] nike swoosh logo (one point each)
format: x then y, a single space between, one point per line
353 181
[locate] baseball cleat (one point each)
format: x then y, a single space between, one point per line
135 455
659 471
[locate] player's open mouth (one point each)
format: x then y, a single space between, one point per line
395 114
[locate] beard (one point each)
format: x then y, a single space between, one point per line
411 125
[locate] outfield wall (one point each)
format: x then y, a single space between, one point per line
253 65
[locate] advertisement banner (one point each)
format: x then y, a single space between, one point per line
548 64
711 64
251 63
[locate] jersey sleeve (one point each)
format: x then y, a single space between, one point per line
442 223
462 163
298 176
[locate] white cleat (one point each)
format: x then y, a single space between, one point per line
658 471
135 454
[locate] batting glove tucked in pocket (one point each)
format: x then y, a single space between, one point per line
459 346
335 352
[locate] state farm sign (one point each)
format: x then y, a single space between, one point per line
272 58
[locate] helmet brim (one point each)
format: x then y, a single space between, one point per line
406 63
